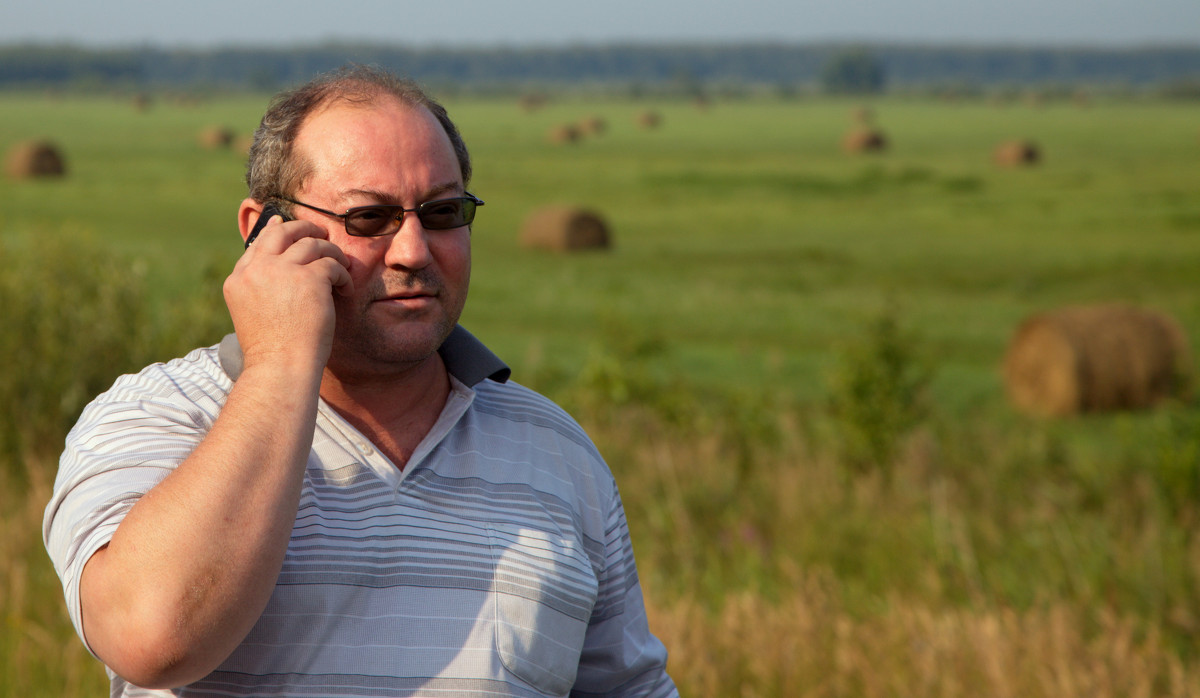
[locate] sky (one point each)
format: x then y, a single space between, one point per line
494 23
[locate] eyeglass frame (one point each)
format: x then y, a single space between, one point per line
400 212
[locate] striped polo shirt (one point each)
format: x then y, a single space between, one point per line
497 563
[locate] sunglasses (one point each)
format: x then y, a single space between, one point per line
372 221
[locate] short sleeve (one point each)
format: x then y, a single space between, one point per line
125 442
621 657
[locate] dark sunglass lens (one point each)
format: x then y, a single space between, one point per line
368 220
446 214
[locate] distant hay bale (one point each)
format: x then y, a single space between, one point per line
1096 358
864 140
34 158
216 137
243 143
565 229
863 116
564 134
593 126
649 120
532 101
142 102
1017 154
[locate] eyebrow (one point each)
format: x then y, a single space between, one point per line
385 198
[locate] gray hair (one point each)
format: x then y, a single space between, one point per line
272 171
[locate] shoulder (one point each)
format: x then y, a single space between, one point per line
197 374
530 439
526 410
192 388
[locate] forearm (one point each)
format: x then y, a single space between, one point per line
193 564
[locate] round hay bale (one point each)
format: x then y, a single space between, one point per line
564 134
565 229
216 137
649 120
593 126
1017 154
864 140
532 101
1096 358
34 158
142 102
244 143
863 116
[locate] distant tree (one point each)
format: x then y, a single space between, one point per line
855 72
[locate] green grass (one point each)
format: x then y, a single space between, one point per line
723 352
744 236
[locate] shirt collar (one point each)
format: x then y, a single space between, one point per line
466 358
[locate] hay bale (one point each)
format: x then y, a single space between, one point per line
864 140
863 116
532 101
244 143
565 229
34 158
649 120
142 102
563 134
593 126
1096 358
216 137
1017 154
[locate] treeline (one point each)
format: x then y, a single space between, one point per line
681 66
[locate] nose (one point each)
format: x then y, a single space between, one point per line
409 246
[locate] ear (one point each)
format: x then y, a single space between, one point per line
248 213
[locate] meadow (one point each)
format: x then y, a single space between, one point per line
790 358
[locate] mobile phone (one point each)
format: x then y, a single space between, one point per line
268 211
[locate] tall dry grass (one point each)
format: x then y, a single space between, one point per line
810 645
982 557
39 652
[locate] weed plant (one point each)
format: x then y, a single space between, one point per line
76 317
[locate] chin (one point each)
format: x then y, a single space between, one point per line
399 346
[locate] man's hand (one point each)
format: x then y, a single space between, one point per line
280 293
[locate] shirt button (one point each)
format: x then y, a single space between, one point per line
364 448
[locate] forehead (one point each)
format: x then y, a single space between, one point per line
368 145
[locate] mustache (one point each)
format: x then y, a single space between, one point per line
393 281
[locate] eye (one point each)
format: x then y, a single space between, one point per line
368 214
442 212
370 220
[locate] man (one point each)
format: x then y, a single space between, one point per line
347 497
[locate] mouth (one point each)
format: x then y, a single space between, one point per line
410 290
408 295
409 298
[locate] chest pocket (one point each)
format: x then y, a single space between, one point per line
544 589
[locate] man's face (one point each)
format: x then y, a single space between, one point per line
409 286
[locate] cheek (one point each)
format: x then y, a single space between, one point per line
454 257
364 254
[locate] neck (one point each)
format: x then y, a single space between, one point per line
394 411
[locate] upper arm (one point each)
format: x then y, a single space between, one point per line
620 655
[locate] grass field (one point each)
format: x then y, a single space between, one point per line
755 263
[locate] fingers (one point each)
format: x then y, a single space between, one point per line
280 291
309 249
279 236
296 242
